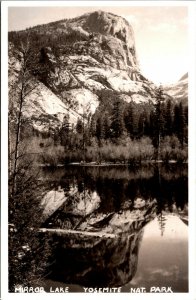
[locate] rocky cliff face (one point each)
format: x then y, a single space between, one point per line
110 34
41 106
78 58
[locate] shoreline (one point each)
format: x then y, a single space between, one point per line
108 164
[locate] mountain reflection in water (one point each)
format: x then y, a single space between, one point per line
111 217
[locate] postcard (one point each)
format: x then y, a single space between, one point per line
98 149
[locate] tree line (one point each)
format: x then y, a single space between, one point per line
114 122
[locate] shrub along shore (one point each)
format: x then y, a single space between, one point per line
126 151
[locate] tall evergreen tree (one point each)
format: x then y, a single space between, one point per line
117 125
168 118
186 115
65 132
152 125
92 129
79 126
186 124
106 127
179 122
141 125
147 128
129 120
100 129
158 120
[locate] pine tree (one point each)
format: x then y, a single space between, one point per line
152 125
186 124
179 122
87 129
100 129
168 118
147 128
92 128
141 125
129 120
186 115
106 127
65 132
79 126
117 125
158 121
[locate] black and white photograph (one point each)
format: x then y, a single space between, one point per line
98 148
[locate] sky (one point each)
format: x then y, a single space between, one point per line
161 33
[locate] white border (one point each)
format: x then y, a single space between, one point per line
95 3
192 148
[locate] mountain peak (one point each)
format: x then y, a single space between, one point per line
80 59
107 23
185 76
179 90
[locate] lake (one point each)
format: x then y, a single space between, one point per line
116 226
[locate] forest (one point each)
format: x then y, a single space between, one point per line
119 132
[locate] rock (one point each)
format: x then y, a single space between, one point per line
76 60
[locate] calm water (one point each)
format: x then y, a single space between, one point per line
120 227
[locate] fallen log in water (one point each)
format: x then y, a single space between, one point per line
78 232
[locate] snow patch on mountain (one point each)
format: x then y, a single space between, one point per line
178 91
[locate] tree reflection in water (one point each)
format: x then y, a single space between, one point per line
104 212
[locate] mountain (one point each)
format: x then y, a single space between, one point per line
178 91
76 60
185 76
